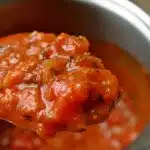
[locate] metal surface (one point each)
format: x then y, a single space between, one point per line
117 21
143 142
123 23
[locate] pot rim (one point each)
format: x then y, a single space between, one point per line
126 10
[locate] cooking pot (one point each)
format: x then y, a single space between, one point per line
118 22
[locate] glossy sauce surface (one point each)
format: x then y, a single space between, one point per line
121 128
51 83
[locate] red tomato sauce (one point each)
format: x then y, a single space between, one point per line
30 95
51 83
118 131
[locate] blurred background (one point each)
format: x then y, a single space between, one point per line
145 4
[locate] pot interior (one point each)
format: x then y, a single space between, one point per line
98 24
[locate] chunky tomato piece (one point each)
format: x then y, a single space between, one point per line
51 83
16 75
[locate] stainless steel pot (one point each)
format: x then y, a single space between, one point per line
117 21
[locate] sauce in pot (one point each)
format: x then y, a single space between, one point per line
120 129
122 125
